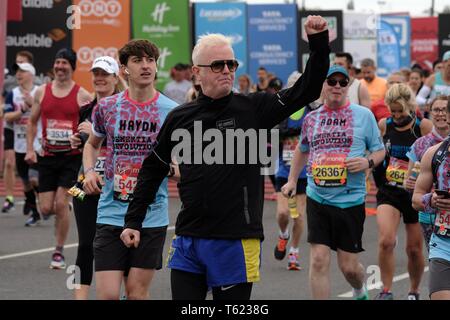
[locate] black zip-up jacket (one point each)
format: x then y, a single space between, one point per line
224 201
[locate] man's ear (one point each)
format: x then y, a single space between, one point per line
196 72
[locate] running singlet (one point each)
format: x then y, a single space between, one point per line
59 118
330 137
289 143
398 144
416 153
130 129
20 125
442 222
440 88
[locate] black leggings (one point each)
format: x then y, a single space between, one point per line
86 217
192 286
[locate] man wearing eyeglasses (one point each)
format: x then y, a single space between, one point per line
219 228
333 142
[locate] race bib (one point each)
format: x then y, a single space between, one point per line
20 128
396 172
125 178
58 133
329 170
289 146
442 224
99 166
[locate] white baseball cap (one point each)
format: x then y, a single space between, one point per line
446 56
25 67
106 63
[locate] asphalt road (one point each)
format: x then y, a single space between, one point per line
25 256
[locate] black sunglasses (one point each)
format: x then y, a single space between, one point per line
218 65
333 82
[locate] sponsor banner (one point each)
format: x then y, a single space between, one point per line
444 34
360 36
335 29
424 41
2 62
42 31
2 40
229 19
272 39
14 10
165 23
393 48
104 27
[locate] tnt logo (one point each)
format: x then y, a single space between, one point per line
87 55
158 13
100 8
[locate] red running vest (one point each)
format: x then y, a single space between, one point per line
59 118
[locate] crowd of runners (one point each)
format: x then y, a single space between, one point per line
107 156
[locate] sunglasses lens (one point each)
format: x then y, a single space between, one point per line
331 82
232 65
343 83
217 66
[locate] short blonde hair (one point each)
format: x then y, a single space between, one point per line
402 94
209 40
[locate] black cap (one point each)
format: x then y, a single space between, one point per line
181 66
69 55
276 84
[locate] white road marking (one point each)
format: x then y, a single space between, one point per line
28 253
377 285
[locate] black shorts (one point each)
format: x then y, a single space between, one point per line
8 143
301 185
439 275
25 170
58 171
335 227
399 199
111 254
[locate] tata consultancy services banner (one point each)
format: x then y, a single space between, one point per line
360 36
165 23
272 38
228 19
42 31
424 41
104 29
393 49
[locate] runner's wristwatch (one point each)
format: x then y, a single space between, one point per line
371 163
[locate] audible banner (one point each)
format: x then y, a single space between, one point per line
165 23
394 33
424 41
444 34
272 39
42 31
360 36
104 27
228 19
334 19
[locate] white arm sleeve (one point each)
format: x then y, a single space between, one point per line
421 98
